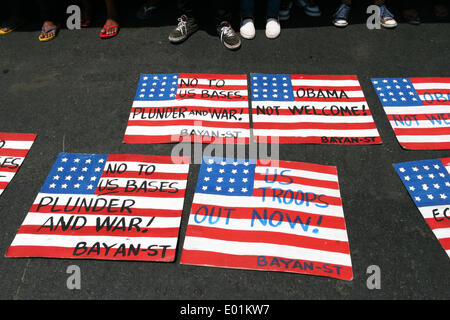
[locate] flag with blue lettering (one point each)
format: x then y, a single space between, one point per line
112 207
428 183
176 107
268 215
319 109
418 110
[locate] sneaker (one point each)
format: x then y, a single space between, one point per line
248 29
387 18
186 27
340 18
229 38
273 28
310 7
285 10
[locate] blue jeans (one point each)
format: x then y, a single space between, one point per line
248 8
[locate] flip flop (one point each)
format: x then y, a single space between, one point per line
46 32
107 36
11 26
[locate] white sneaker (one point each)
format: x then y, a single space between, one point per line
273 28
248 29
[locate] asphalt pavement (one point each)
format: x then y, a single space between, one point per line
76 92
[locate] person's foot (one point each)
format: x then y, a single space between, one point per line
440 11
48 31
147 9
411 16
185 28
273 28
247 29
285 10
387 18
229 38
110 28
310 7
10 25
340 18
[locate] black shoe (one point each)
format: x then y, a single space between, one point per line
186 27
229 38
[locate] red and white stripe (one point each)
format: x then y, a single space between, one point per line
234 242
160 213
424 127
14 148
358 128
198 117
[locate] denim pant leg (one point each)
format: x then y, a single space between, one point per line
247 8
273 8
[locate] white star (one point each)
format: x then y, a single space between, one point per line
415 169
436 166
231 180
426 168
230 190
60 169
101 160
430 196
89 187
244 189
443 196
76 186
425 187
218 188
204 188
235 163
221 170
418 199
407 178
56 177
412 188
52 186
93 178
220 179
64 186
431 176
68 178
245 171
436 186
84 169
419 177
234 171
76 160
97 169
210 161
402 169
206 178
244 179
80 178
64 159
209 169
73 169
88 161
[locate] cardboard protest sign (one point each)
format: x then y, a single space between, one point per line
275 216
418 110
428 183
206 108
113 207
14 148
320 109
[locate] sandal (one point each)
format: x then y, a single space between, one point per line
104 35
10 25
46 32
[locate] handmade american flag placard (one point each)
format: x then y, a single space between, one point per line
272 216
14 148
418 110
428 183
178 107
320 109
112 207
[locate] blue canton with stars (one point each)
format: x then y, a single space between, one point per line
427 181
74 173
155 87
396 92
226 177
271 87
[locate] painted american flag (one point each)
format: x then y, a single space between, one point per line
14 148
428 183
112 207
175 107
268 215
319 109
418 110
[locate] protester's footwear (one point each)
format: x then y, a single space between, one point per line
387 18
44 35
285 10
104 32
340 18
440 11
185 28
273 28
247 29
229 38
147 9
411 16
10 26
310 7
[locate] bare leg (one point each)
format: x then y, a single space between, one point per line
112 18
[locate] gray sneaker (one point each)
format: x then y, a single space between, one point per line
229 38
185 28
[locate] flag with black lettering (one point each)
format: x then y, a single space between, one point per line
268 215
14 148
418 110
187 107
428 183
318 109
113 207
